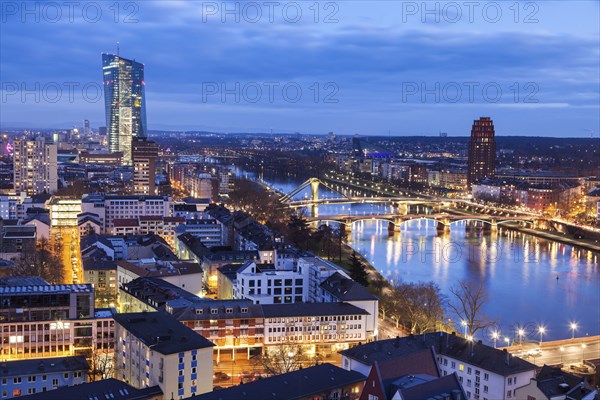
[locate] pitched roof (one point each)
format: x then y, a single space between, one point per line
447 387
299 384
107 388
450 345
345 289
553 382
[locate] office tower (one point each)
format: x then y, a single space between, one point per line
86 127
35 166
144 155
124 102
482 151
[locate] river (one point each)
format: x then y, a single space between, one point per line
530 281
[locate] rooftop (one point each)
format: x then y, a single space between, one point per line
43 366
300 384
345 289
450 345
310 310
162 331
105 389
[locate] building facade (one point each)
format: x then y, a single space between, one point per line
156 349
125 103
144 155
482 151
35 166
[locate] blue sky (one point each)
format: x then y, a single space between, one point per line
367 67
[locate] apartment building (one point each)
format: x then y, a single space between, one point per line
153 348
109 207
24 377
485 373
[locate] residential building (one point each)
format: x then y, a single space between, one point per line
35 166
125 103
552 383
484 372
340 288
153 348
16 239
482 151
209 231
102 390
144 155
110 207
102 275
23 377
321 382
234 326
184 274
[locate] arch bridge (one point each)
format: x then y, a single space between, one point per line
443 221
315 183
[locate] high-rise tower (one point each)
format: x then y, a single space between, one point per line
125 103
482 151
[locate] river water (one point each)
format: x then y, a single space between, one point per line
530 281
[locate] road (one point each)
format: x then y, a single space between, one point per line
567 352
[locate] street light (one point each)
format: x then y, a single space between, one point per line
521 333
506 340
464 324
495 336
541 330
573 329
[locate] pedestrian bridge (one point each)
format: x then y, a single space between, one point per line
443 221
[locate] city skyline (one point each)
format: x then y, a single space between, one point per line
378 65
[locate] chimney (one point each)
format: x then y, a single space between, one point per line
456 395
507 356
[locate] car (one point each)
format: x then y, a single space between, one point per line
221 376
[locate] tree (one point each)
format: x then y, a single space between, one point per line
43 262
102 365
467 301
419 306
357 270
287 357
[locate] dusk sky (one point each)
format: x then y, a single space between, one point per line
368 60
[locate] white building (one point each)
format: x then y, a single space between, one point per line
331 326
35 166
156 349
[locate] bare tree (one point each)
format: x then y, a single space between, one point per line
102 365
467 301
280 359
419 306
43 262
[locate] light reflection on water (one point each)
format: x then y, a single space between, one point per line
519 271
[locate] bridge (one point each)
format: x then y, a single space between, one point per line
443 221
315 183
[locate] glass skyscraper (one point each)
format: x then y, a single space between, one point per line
125 103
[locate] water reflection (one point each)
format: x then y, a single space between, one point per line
519 271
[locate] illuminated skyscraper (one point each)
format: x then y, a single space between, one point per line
482 151
125 103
